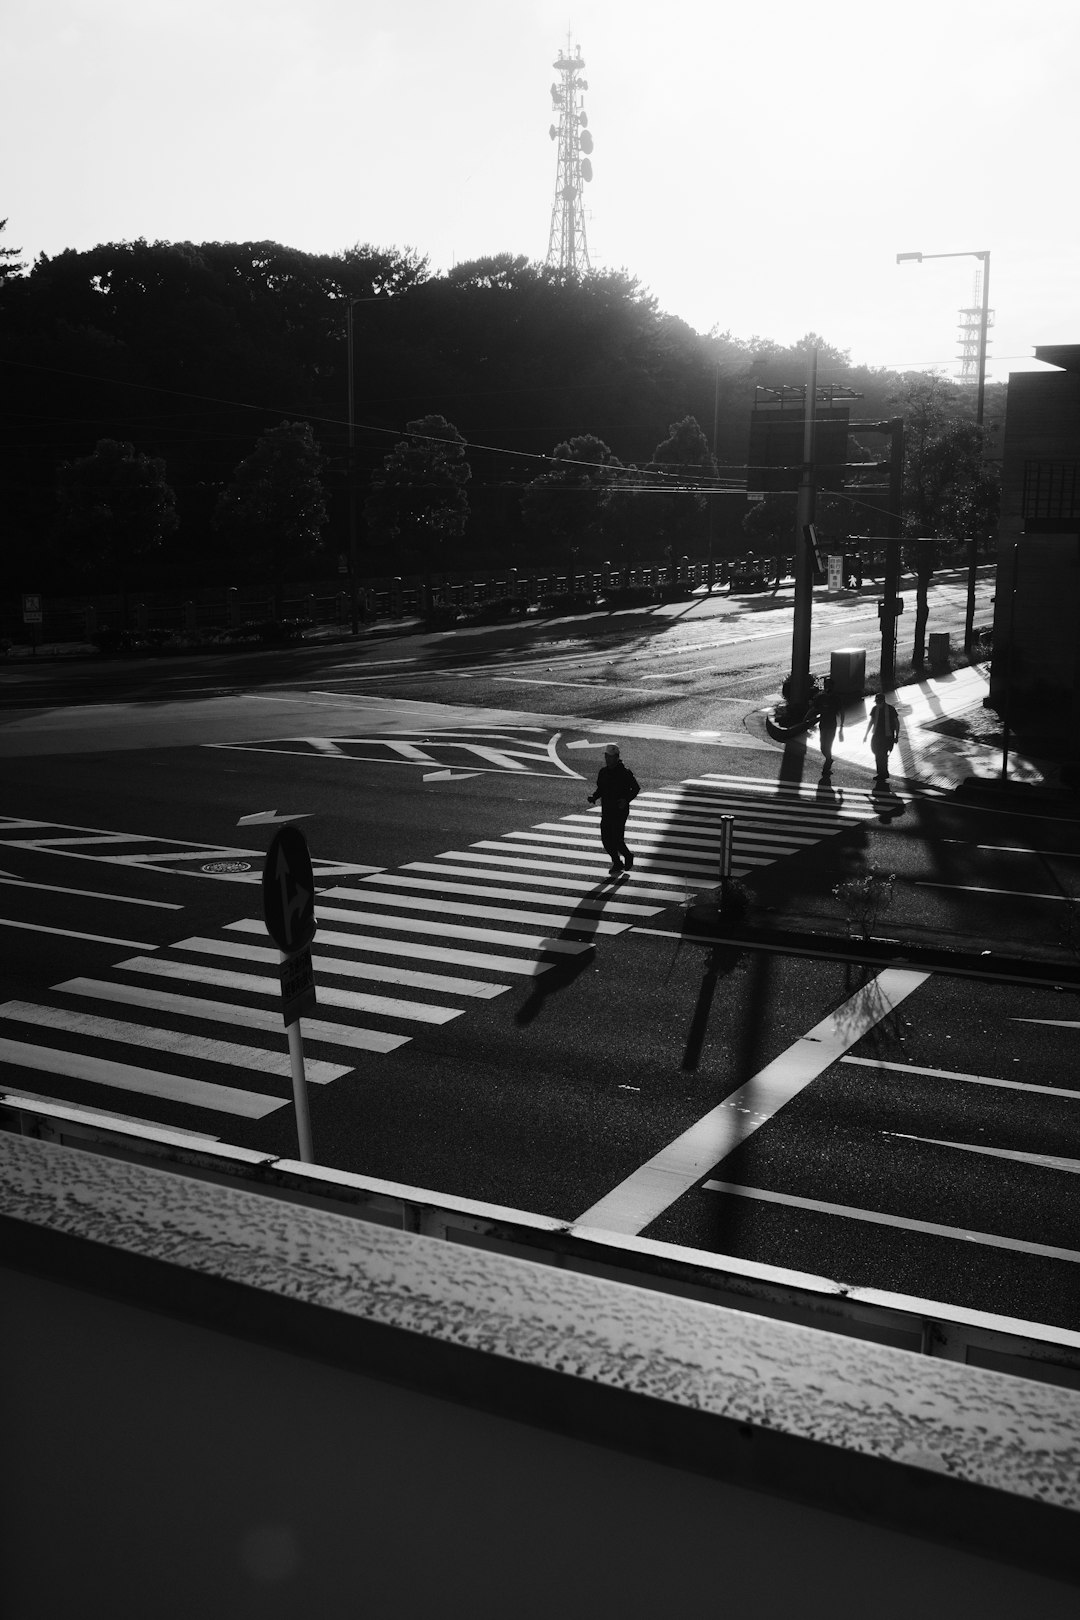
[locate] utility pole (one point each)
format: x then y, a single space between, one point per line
712 497
354 599
893 530
799 695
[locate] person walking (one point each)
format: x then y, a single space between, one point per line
616 787
830 715
883 729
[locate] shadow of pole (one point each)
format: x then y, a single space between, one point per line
722 960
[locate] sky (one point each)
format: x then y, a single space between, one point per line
757 166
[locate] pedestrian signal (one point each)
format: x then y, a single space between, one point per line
852 571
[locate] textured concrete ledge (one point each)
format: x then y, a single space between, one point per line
953 1453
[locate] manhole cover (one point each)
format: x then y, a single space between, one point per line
227 866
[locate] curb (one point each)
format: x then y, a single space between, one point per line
709 928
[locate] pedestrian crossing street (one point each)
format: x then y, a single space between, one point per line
396 952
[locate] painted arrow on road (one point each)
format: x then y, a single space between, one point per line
449 776
266 818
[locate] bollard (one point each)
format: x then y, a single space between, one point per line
727 839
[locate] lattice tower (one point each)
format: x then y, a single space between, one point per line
567 244
970 327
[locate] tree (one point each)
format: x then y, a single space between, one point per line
570 506
417 502
115 508
682 459
950 492
273 511
7 257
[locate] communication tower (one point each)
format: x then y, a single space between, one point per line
971 330
567 246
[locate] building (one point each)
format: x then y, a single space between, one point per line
1037 610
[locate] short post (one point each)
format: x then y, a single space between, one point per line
727 840
289 909
299 1080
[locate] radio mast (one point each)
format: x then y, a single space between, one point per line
567 246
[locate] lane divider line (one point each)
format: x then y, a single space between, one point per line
663 1179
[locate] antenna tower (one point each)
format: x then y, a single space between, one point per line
970 329
567 246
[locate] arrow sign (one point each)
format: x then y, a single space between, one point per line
289 891
267 818
449 776
586 745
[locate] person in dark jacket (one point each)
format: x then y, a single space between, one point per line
616 786
884 723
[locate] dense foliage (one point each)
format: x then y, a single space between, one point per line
194 354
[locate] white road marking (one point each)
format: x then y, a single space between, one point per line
1014 849
263 985
93 894
1045 1161
126 1077
981 888
1054 1023
168 1040
455 908
520 680
562 882
374 945
664 1178
904 1222
228 1012
521 896
549 844
271 818
72 933
521 863
483 936
481 989
950 1074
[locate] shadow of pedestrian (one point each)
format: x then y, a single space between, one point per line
579 929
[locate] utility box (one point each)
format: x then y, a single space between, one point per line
939 646
847 671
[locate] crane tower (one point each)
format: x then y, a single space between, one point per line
567 246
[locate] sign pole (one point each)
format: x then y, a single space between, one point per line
299 1086
288 888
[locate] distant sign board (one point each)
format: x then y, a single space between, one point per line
32 609
297 986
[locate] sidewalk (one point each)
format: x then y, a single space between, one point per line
932 751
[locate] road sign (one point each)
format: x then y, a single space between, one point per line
32 610
297 986
289 891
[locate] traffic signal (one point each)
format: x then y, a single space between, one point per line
817 561
852 570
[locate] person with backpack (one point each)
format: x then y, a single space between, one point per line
883 729
616 787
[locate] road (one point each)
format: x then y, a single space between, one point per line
496 1019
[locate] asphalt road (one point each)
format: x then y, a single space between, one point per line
499 1021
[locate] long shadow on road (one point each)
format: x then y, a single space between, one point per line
580 929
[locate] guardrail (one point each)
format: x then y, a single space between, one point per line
929 1327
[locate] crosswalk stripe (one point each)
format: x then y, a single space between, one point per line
492 913
414 925
264 985
534 872
478 988
376 946
127 1077
551 847
521 896
648 835
167 1040
228 1012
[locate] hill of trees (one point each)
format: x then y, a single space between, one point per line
207 368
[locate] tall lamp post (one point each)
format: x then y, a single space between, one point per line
984 321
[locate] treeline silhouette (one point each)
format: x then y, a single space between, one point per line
190 353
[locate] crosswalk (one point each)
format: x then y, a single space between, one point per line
397 953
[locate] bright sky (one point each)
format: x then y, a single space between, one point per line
758 165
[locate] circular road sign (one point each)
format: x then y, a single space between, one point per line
289 891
